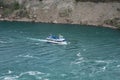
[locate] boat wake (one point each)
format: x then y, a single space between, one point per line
34 39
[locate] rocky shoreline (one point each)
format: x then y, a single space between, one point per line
65 12
30 20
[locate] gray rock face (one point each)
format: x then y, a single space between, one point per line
68 11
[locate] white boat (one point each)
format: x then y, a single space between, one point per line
56 40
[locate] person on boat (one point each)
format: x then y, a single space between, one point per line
60 36
50 36
54 37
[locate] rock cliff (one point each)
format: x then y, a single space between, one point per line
65 11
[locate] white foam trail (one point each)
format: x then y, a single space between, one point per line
10 78
9 71
3 42
32 73
27 56
104 68
34 39
79 54
118 65
105 61
100 61
38 75
80 59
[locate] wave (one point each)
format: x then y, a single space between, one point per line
9 77
37 74
96 66
103 64
3 42
27 56
9 71
32 73
79 60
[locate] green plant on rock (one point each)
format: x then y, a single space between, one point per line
1 3
113 22
40 0
65 12
9 8
22 13
16 6
7 12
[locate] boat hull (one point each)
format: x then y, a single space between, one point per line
56 42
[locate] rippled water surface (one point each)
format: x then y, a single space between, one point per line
93 53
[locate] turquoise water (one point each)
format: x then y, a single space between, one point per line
93 53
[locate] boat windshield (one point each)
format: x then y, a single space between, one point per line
55 37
